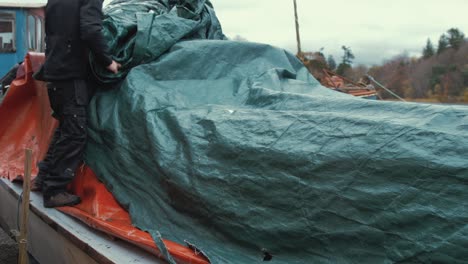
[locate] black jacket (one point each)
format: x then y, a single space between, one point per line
73 28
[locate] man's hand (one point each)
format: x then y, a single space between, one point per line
114 67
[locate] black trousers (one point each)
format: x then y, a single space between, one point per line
68 100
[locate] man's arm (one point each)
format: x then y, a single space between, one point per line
90 27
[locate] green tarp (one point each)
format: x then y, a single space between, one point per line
235 148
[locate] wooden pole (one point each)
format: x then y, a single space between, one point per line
298 36
23 238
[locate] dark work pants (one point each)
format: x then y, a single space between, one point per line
46 163
68 100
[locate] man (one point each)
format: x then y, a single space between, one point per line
73 28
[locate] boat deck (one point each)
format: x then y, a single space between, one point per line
54 237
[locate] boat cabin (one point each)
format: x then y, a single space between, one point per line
21 30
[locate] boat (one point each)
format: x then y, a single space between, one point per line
335 138
56 238
22 30
105 233
363 88
317 66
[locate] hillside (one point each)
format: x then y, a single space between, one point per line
441 77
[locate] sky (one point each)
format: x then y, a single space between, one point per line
375 30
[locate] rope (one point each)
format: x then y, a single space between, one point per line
385 88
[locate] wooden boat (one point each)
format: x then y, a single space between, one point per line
363 88
315 62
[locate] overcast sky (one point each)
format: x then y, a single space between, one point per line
374 29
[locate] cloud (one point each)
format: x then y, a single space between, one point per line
374 29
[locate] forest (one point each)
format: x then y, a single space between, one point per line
440 74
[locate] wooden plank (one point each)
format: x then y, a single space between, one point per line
23 241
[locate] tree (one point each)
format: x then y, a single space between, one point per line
443 44
348 55
343 68
357 72
455 38
346 62
443 77
428 51
331 63
320 52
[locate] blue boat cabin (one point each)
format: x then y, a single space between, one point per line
21 31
